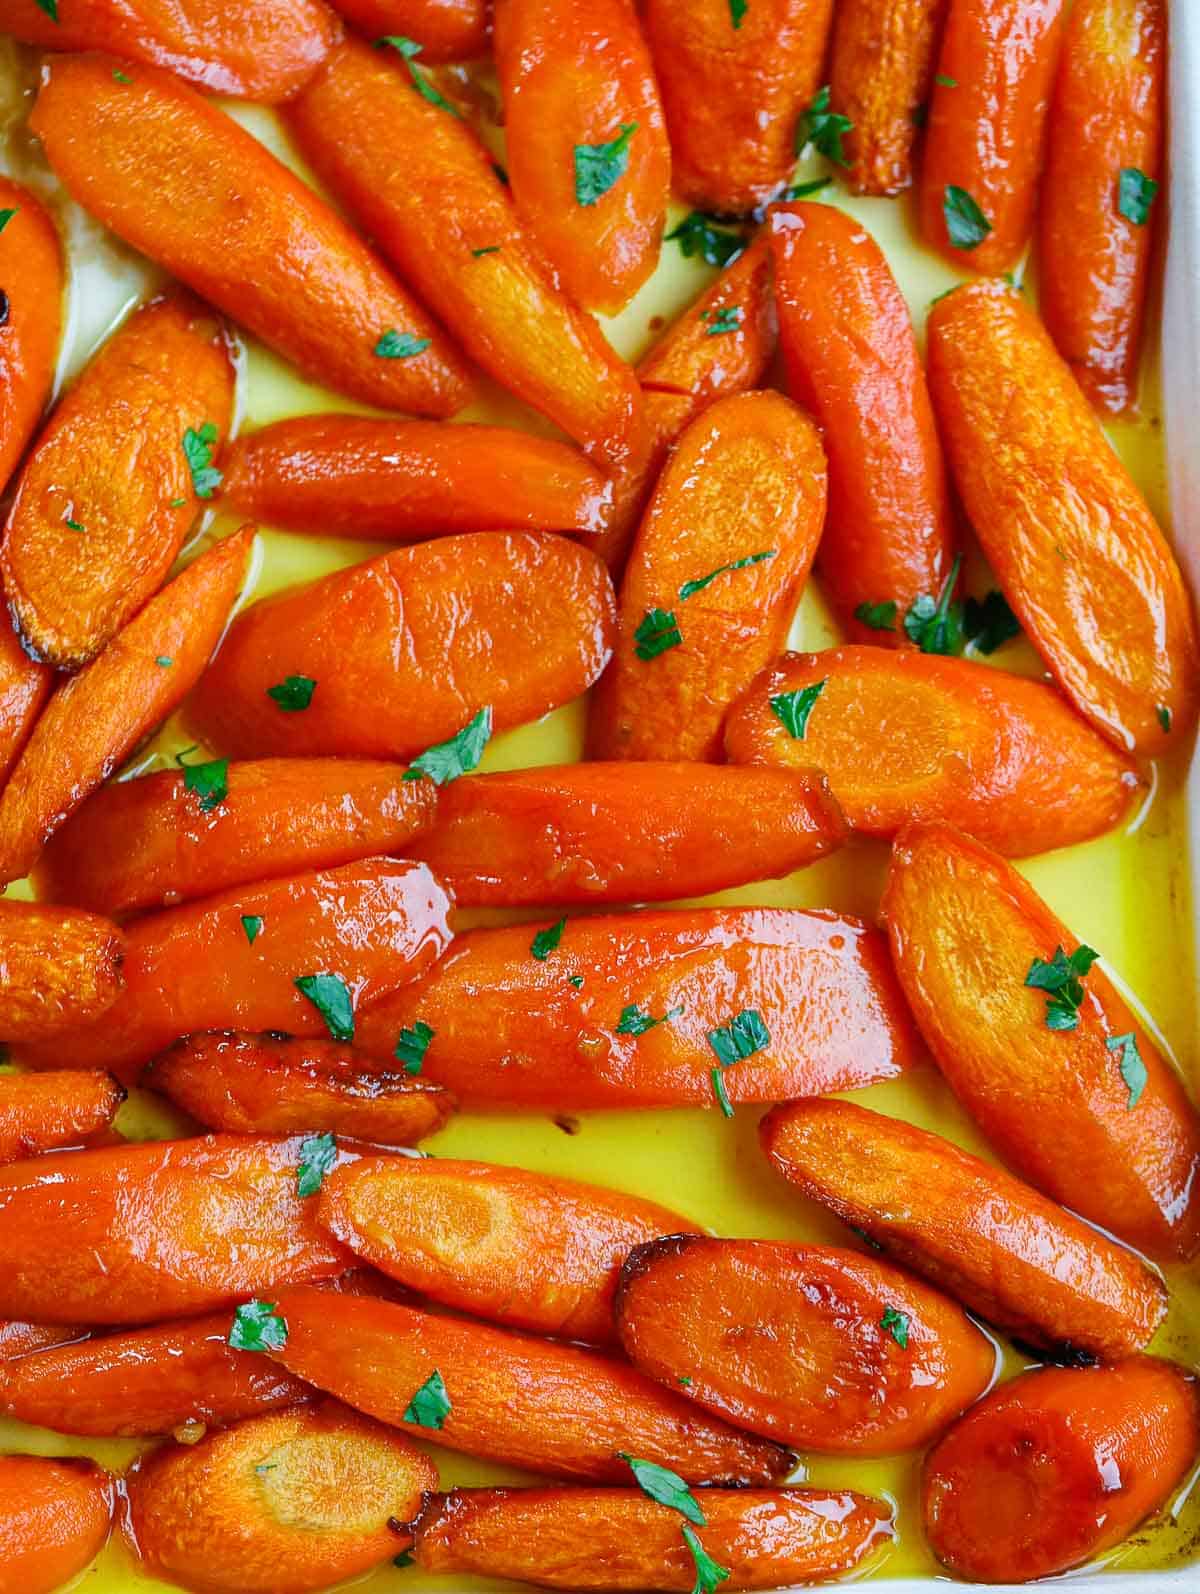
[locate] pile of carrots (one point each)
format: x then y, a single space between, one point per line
292 1298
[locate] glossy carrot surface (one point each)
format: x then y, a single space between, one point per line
31 314
24 688
54 1518
881 74
19 1338
446 30
58 968
41 1112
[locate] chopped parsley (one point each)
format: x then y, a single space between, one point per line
121 77
1164 717
966 224
633 1021
1062 980
699 234
330 995
318 1153
664 1486
410 49
946 82
935 624
895 1323
1133 1069
7 215
430 1406
878 616
823 129
737 11
488 249
599 167
411 1046
690 588
792 709
293 693
727 320
395 345
989 623
446 761
73 525
545 941
210 780
252 926
708 1574
657 632
258 1326
719 1091
740 1038
164 662
403 1559
50 7
198 449
1135 195
576 980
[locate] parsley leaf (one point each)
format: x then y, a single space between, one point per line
1133 1069
258 1326
879 616
966 224
792 709
318 1153
657 632
987 625
395 345
488 249
576 980
896 1324
1135 195
330 995
412 1044
599 167
198 449
1164 717
7 215
708 1574
727 320
690 588
698 234
823 129
737 11
164 662
252 926
448 760
633 1021
210 780
74 525
719 1091
664 1486
935 625
430 1406
1061 978
121 77
545 941
50 7
410 49
803 190
946 82
403 1559
293 693
740 1038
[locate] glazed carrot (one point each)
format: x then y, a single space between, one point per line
41 1112
910 736
109 494
717 569
54 1519
1090 1113
235 960
30 318
733 89
18 1338
384 642
447 224
148 843
250 1084
352 476
625 832
1103 161
446 30
1077 551
532 1403
585 141
24 688
176 178
135 1233
1003 1250
601 1539
883 58
58 968
1058 1466
281 1504
852 362
620 1013
986 130
96 719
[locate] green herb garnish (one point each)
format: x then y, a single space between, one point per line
410 49
545 941
1062 979
599 167
395 345
966 224
330 995
803 190
258 1326
989 623
318 1153
737 11
411 1046
633 1021
1164 717
448 760
699 234
708 1573
1133 1069
792 709
740 1038
657 632
690 588
946 82
664 1486
252 926
210 780
935 625
1135 195
823 129
293 693
895 1323
430 1406
163 662
727 320
489 249
879 616
7 215
198 449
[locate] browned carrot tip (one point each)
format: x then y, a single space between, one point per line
30 319
42 1112
446 30
54 1519
60 968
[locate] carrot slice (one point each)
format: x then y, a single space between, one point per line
24 688
852 362
618 1539
883 58
58 968
446 30
621 1011
261 1084
54 1519
1058 1466
18 1338
30 315
446 222
280 1504
325 946
41 1112
179 180
384 643
911 736
716 571
531 1403
149 843
1103 162
983 1236
1092 1114
108 495
1081 559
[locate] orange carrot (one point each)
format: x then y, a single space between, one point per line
883 58
24 688
54 1520
41 1112
446 30
18 1338
58 968
717 569
30 317
176 178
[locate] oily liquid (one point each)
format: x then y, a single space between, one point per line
1126 893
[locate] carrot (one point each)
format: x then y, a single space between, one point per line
907 736
717 569
18 1338
1089 1111
592 833
54 1519
24 688
585 141
733 88
179 180
110 490
999 1247
1104 161
96 719
1077 551
148 843
550 1408
852 362
305 955
252 1084
447 224
446 30
986 131
1057 1467
384 643
622 1011
30 316
618 1539
281 1504
58 968
41 1112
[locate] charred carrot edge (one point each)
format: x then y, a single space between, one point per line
880 77
41 1112
61 967
446 30
31 324
54 1519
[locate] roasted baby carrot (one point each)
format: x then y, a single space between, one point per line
96 719
1003 1250
1039 1046
281 1504
54 1519
24 688
1077 551
41 1112
649 1009
987 120
550 1408
305 955
114 482
250 1084
18 1338
735 80
406 649
881 72
852 362
715 574
591 833
585 141
1058 1466
30 319
446 30
446 222
1096 212
910 736
182 182
601 1539
58 968
859 1359
148 843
